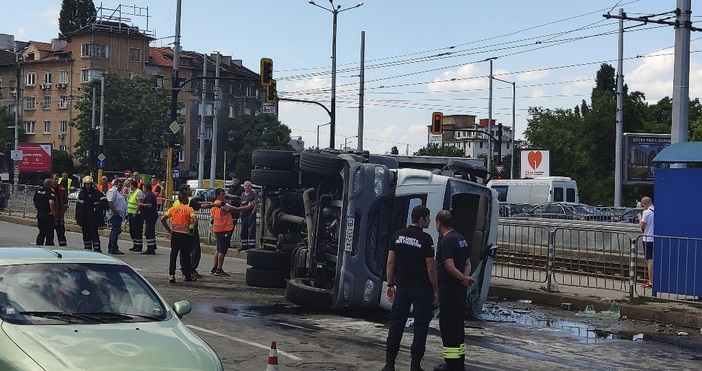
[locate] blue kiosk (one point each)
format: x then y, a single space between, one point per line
677 257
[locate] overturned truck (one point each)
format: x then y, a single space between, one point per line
327 218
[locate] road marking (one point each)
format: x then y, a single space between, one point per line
257 345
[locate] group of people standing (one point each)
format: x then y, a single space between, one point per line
51 202
418 279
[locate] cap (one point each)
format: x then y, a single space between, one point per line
88 179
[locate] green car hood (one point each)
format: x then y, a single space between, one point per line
165 345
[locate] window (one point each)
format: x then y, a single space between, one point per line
208 108
570 194
135 55
232 112
94 50
47 102
47 77
63 77
30 103
133 75
63 127
181 156
208 132
182 109
63 102
63 147
158 81
29 127
90 74
31 79
481 144
558 194
47 127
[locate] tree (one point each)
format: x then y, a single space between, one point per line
61 161
74 15
7 131
434 149
132 110
248 133
394 150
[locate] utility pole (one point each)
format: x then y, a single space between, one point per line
489 157
175 87
360 94
201 150
101 142
18 101
620 114
215 122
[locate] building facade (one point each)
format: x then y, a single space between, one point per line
464 133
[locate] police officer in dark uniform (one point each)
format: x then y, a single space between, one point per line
411 273
44 202
90 213
453 268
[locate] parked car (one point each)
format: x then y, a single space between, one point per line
564 210
508 209
203 195
613 213
631 215
55 305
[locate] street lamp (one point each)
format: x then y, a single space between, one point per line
334 10
514 98
318 126
346 140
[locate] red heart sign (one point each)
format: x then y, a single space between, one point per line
534 159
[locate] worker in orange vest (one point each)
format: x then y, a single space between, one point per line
104 185
223 227
157 190
182 217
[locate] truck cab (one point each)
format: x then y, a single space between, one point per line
335 213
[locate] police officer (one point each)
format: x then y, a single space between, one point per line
90 213
411 273
453 269
44 202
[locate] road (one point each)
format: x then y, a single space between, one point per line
240 322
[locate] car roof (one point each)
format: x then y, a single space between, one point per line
38 255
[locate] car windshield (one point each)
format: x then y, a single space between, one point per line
70 293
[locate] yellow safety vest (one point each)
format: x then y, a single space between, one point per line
132 202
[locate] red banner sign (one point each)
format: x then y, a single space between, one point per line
36 157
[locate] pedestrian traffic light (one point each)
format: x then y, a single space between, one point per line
271 93
266 71
437 123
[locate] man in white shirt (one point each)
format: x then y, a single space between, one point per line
115 214
646 225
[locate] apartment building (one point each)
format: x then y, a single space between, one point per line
464 133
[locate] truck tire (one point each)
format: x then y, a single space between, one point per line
275 178
268 259
266 278
273 159
298 291
321 163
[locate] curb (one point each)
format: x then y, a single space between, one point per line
644 312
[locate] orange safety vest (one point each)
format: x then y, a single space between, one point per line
159 200
180 216
222 221
99 187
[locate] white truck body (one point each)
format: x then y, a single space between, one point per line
537 190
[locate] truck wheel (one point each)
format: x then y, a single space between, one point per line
265 278
268 259
300 292
275 178
273 159
321 163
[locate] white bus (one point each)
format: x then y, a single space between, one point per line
537 190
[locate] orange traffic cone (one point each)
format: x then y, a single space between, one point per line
273 358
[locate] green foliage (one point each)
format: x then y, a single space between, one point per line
74 15
7 131
132 110
394 150
434 149
248 133
61 161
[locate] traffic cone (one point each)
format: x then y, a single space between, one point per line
273 358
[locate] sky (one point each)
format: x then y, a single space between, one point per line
420 56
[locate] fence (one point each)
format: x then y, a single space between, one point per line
21 204
602 259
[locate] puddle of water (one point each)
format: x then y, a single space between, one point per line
534 318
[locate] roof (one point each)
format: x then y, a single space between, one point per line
36 255
42 46
682 152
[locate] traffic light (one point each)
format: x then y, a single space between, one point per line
266 71
437 123
176 155
271 93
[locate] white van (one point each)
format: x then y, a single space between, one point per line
537 190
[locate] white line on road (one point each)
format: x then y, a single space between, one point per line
257 345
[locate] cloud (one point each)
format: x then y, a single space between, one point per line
51 15
537 93
533 75
467 77
578 86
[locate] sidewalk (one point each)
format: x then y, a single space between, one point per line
674 313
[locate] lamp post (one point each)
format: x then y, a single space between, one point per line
318 126
346 140
514 99
334 10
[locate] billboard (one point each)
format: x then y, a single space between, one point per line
639 151
36 157
535 162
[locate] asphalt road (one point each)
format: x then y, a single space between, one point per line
240 322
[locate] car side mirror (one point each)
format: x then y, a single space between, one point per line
181 308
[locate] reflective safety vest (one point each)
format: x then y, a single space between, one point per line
180 218
157 190
177 202
222 220
132 202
